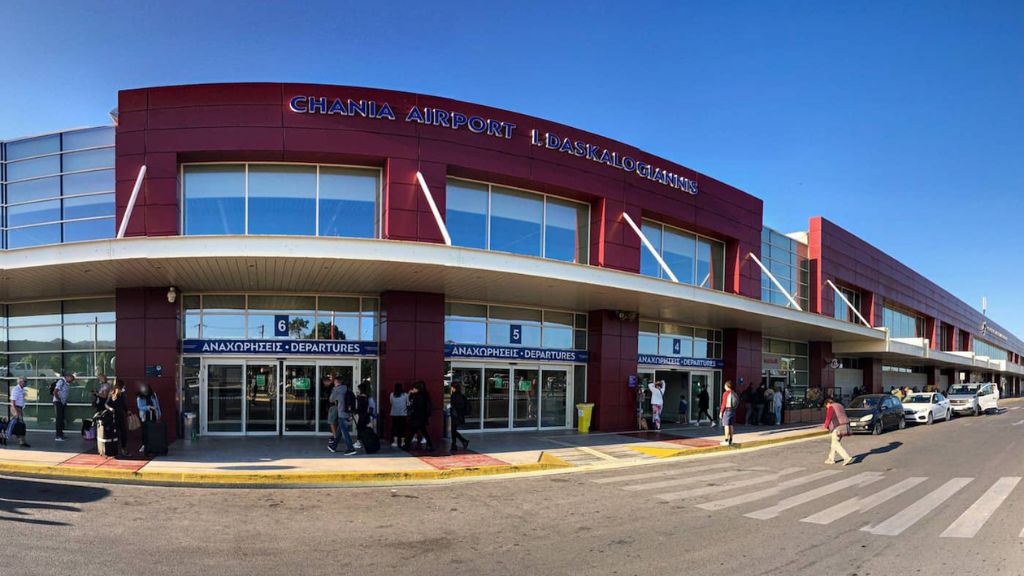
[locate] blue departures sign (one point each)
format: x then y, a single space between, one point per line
509 353
281 347
655 360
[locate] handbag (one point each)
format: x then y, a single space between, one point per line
134 422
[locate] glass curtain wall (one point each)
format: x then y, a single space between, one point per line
693 259
280 199
842 311
41 340
786 258
468 323
491 217
666 339
902 324
242 316
57 188
983 348
785 365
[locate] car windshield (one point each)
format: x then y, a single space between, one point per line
963 390
918 399
865 402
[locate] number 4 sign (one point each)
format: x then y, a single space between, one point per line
281 325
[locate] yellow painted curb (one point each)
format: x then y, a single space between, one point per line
657 452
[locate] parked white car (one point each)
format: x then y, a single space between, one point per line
926 408
973 398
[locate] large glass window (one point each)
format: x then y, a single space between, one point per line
496 218
286 199
983 348
667 339
58 188
469 323
844 312
693 259
41 340
254 316
785 366
786 258
902 324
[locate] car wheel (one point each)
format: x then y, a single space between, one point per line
903 423
949 415
878 428
930 420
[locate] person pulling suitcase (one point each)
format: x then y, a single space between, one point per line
154 431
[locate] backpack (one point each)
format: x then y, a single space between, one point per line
732 402
53 388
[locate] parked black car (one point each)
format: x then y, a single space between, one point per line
875 413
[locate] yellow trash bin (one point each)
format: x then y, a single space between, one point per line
584 411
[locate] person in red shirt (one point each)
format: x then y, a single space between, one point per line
727 411
838 425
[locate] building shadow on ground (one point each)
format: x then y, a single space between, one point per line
21 499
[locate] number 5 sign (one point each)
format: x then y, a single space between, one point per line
281 325
515 334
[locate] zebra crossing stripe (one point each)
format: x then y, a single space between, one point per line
852 505
906 518
705 490
968 524
686 480
862 479
662 473
754 496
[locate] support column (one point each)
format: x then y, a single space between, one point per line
411 349
612 343
934 373
820 373
147 335
872 368
741 350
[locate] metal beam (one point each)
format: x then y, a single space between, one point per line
775 281
848 303
433 208
131 202
650 247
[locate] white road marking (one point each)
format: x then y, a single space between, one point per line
862 479
704 490
662 473
1017 423
1022 533
968 524
906 518
597 453
754 496
678 481
852 505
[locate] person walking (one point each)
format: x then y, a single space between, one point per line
657 401
17 411
684 410
344 401
420 407
777 405
459 410
149 410
117 404
59 392
838 425
399 414
758 400
730 402
703 403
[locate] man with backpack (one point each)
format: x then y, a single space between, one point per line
730 402
59 392
16 427
345 400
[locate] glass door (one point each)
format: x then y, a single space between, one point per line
554 398
346 373
261 394
701 382
299 398
496 397
525 409
221 404
471 380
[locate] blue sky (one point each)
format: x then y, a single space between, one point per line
900 121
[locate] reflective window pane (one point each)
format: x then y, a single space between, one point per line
223 326
33 147
557 337
33 190
101 158
516 221
87 182
214 199
89 206
348 202
217 302
338 304
90 138
282 199
89 310
282 302
84 230
33 213
44 166
465 332
33 236
648 263
466 213
562 235
679 251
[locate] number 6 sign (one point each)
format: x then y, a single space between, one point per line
281 325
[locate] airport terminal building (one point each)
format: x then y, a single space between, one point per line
233 245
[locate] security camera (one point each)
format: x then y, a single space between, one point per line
172 294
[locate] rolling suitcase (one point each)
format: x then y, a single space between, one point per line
155 436
370 440
106 439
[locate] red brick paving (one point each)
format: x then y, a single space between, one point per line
97 461
460 460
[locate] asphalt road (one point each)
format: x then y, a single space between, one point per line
938 499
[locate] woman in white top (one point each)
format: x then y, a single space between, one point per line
399 411
657 401
777 406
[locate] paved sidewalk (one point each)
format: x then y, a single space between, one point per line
305 460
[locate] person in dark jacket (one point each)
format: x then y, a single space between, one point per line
362 409
117 404
420 407
703 405
460 407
